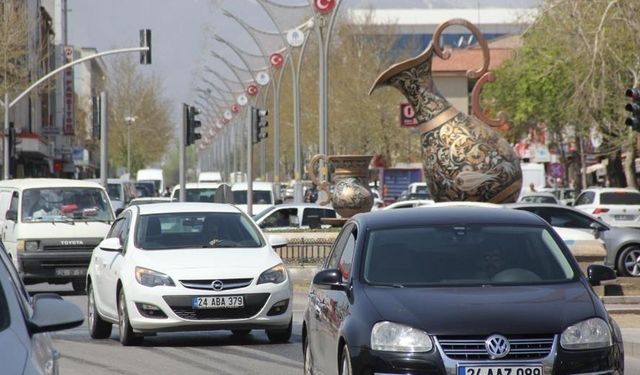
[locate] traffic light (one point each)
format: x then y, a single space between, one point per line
145 41
192 124
634 108
259 125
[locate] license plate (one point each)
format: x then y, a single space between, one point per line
71 271
624 217
500 370
217 302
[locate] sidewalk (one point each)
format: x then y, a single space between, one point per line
625 310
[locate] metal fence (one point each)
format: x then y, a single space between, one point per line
305 251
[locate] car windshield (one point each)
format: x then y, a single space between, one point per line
259 197
621 197
114 192
450 255
180 230
197 194
66 204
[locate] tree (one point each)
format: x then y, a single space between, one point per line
14 34
134 94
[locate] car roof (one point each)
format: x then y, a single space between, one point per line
29 183
198 185
537 193
258 185
174 207
432 215
159 199
611 190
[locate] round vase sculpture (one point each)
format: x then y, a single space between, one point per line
350 179
464 158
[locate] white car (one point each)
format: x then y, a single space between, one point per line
300 215
615 206
187 266
263 196
409 204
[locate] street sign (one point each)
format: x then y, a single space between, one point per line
556 170
407 116
324 6
295 38
276 60
262 78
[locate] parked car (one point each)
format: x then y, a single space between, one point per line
120 192
565 195
302 215
615 206
415 191
456 290
197 191
145 189
263 196
24 322
622 244
187 266
535 197
50 226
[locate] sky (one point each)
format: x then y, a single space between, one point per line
182 31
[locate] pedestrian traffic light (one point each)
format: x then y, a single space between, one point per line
145 41
259 125
634 108
192 124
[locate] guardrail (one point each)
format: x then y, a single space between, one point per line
305 251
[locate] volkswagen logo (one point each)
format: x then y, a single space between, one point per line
218 285
497 346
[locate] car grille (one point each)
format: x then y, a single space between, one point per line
181 306
473 348
206 284
68 247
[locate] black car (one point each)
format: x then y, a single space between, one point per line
456 291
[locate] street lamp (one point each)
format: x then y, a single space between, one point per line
130 120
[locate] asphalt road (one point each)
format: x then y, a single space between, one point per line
192 353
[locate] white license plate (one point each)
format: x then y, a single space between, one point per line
218 302
71 271
624 217
500 370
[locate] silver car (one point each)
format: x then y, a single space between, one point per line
24 321
622 243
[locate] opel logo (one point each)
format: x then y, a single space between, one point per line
217 285
497 346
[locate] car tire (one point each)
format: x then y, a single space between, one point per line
241 332
345 361
127 336
278 336
98 328
629 261
307 358
79 285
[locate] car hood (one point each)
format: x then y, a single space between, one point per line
546 309
202 263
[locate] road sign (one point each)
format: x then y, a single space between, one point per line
407 116
556 170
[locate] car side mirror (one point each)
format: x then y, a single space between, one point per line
331 278
597 273
278 241
53 314
597 229
111 244
11 215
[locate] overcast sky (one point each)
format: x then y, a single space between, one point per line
182 30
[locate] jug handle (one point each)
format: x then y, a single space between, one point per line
483 75
322 185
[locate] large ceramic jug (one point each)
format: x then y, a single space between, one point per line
350 178
464 158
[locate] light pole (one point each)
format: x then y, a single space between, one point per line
130 120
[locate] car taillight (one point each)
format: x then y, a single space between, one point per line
600 210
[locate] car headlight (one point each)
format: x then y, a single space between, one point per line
394 337
27 245
589 334
275 274
152 278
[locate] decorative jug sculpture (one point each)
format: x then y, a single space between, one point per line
350 177
464 158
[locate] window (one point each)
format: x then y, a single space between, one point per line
181 230
197 195
622 197
312 216
259 197
338 247
284 217
116 229
346 259
13 206
585 198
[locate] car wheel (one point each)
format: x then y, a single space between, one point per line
345 361
127 337
629 261
79 285
241 332
280 335
308 359
98 328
